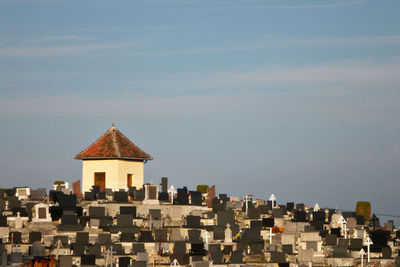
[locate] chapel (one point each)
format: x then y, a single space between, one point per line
112 161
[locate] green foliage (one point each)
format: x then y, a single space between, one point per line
202 188
59 182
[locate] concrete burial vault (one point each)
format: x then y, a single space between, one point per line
112 161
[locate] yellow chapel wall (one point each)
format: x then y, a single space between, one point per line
116 173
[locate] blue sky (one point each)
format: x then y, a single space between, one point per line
291 97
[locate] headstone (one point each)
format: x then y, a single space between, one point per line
182 196
197 249
228 234
15 237
339 252
217 257
139 195
180 247
253 213
287 248
142 256
219 232
97 212
300 216
13 202
37 249
278 257
356 244
290 206
386 253
277 213
164 184
163 196
79 249
82 238
146 236
225 216
137 247
331 240
88 260
193 221
268 222
124 261
155 214
127 237
65 261
124 220
305 255
160 235
35 236
196 198
344 243
194 236
16 257
121 197
335 231
151 194
104 239
128 210
256 224
38 194
236 257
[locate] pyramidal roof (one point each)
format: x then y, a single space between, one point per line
113 145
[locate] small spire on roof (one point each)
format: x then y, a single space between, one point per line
113 124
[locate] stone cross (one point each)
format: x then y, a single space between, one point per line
272 198
342 222
368 242
175 263
228 234
316 207
362 253
270 235
206 237
172 191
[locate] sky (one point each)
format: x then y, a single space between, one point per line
299 98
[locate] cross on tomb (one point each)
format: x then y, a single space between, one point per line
270 235
272 198
342 221
368 242
175 263
362 254
316 207
206 237
172 191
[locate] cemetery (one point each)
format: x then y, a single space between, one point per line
117 223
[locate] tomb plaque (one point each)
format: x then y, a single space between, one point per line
42 213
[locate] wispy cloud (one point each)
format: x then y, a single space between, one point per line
282 43
362 91
58 38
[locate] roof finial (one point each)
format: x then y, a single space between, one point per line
113 124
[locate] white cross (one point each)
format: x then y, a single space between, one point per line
368 242
342 222
175 263
172 191
316 207
362 253
270 235
206 236
345 230
272 198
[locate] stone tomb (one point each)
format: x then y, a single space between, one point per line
41 213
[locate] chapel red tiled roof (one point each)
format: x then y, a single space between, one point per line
113 145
